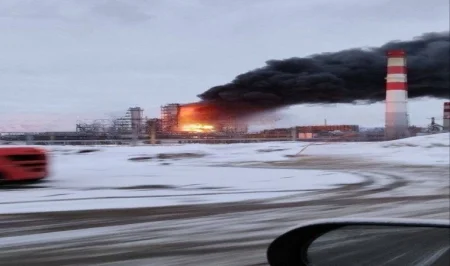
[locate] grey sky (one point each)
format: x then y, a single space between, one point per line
63 60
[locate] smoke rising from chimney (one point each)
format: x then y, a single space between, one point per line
342 77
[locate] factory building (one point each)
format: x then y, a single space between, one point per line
133 122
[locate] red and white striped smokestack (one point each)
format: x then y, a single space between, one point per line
396 95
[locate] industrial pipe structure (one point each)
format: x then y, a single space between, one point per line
396 96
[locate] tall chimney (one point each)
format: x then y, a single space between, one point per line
396 96
446 123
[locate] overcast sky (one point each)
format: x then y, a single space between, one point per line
63 60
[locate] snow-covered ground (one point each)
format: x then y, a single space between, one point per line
95 182
424 150
113 177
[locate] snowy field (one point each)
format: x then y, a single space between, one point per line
256 191
144 176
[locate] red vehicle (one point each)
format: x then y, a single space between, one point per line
23 164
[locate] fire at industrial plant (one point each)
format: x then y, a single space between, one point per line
342 77
347 76
213 116
394 72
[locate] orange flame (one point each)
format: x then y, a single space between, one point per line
191 120
214 116
200 128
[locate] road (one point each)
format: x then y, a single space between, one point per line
390 246
220 234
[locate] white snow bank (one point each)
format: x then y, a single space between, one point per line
424 150
431 149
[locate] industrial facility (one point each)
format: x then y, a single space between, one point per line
212 122
132 122
169 128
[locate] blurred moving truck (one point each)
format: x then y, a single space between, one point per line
23 164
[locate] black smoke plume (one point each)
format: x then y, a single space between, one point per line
342 77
